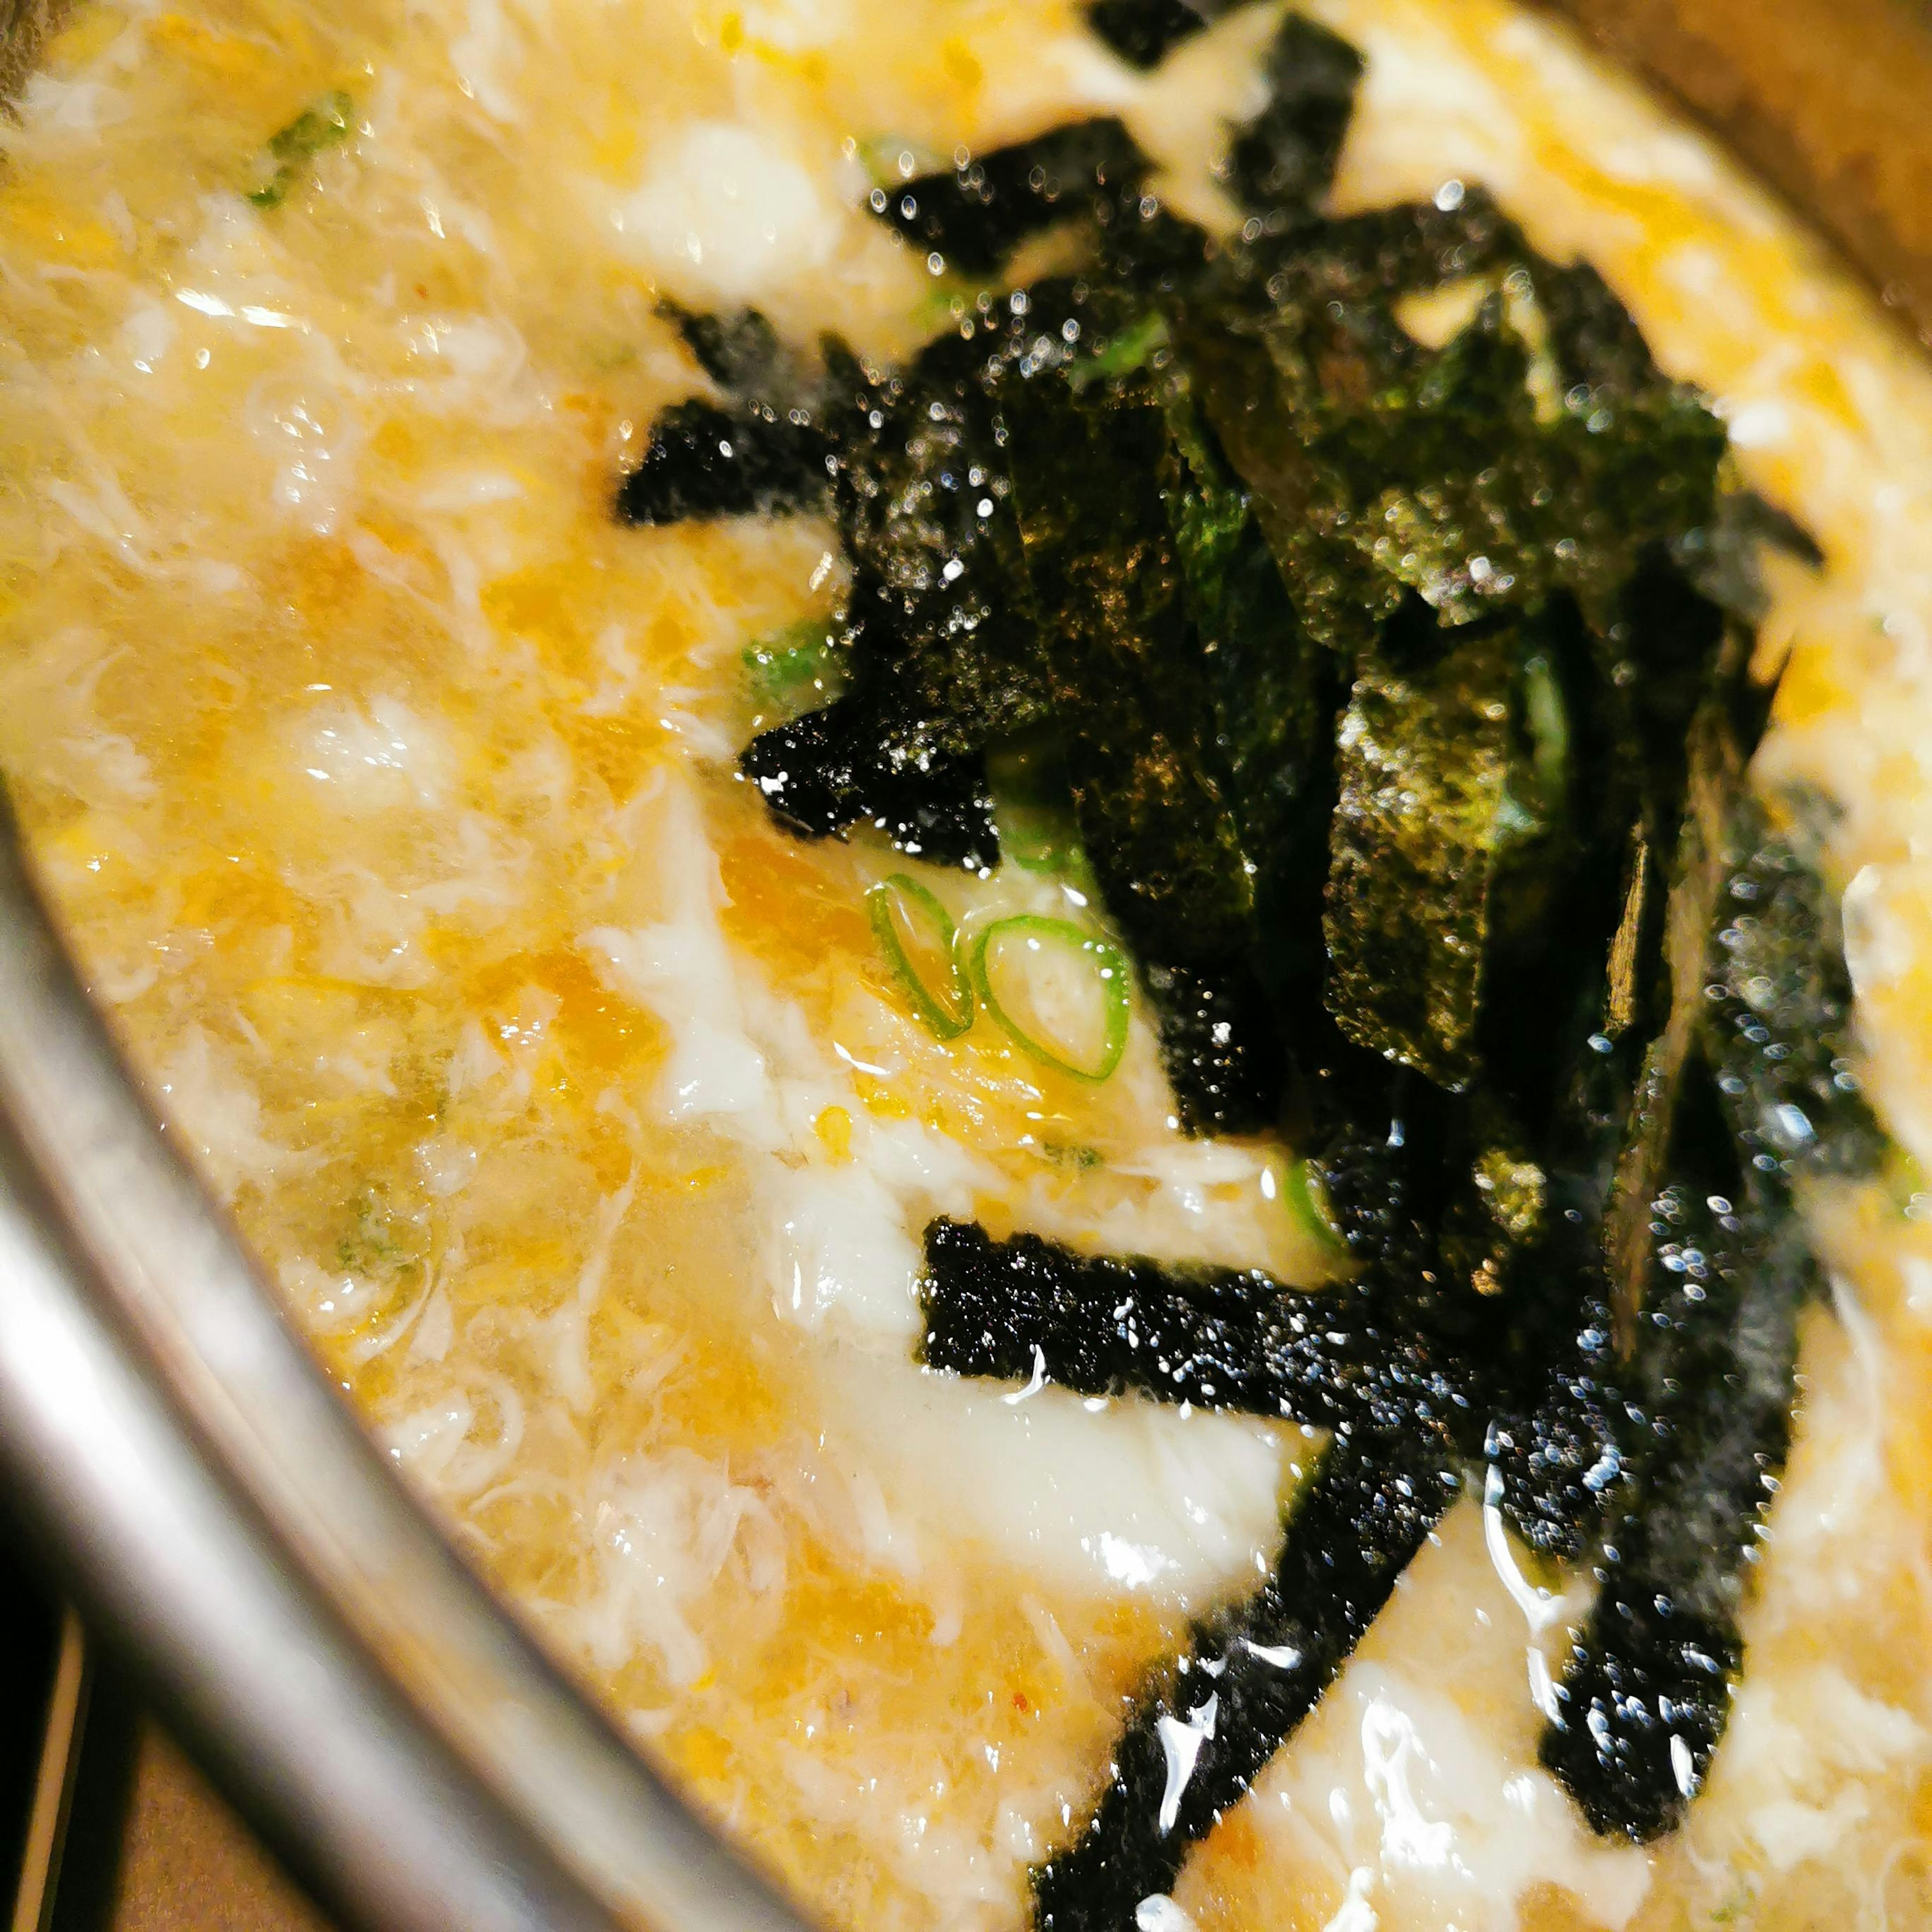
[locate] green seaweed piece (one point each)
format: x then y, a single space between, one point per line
1340 598
1382 465
949 654
1273 691
1093 478
1423 757
327 124
1123 663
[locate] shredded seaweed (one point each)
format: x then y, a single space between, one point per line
1780 1014
824 772
1645 1695
743 353
1222 1339
1282 161
1137 726
1390 700
1248 1676
1418 830
704 462
975 216
1144 32
1760 1099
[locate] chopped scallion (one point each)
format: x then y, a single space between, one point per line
1060 992
1034 812
791 669
916 934
325 125
1307 1201
1136 345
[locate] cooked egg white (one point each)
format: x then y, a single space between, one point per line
385 783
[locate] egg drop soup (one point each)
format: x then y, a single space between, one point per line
779 1169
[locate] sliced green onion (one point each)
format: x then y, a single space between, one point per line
324 125
1133 348
788 668
1058 991
915 935
1307 1201
1549 726
1034 812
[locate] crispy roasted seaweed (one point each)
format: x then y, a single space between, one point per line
1124 671
974 216
1780 1014
947 653
771 448
1759 1098
1418 828
1722 557
1491 471
825 772
1392 690
1144 32
704 461
1283 160
1273 694
1643 1701
1197 1740
744 354
1220 1338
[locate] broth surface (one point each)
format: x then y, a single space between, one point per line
385 782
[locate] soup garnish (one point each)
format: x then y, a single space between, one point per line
1399 689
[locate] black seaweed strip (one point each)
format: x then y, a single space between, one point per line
1144 32
1779 1012
1371 256
1274 694
1220 1044
1251 1674
1283 160
1722 559
1646 1696
703 461
944 649
741 352
974 216
1764 1096
1218 1338
1552 1437
1126 668
1645 1701
824 772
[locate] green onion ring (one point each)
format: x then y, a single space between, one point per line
1109 963
945 1015
1306 1200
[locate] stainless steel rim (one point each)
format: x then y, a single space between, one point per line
360 1690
